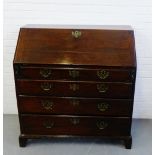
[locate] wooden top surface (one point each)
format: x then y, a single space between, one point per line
105 27
50 44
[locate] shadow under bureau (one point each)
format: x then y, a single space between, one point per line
75 81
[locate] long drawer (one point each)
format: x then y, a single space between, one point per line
80 74
77 106
66 88
75 125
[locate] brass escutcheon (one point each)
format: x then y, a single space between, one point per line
102 88
74 87
102 74
76 34
75 121
48 124
74 73
75 102
47 104
103 107
45 72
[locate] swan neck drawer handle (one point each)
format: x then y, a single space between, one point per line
101 125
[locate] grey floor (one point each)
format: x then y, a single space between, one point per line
141 132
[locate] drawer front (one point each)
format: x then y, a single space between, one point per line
77 40
83 106
74 125
83 89
76 74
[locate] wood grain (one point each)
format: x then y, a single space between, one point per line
74 105
75 86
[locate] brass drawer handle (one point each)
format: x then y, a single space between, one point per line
102 88
74 87
74 73
75 121
102 74
103 107
76 34
46 86
47 105
75 102
45 72
101 125
48 124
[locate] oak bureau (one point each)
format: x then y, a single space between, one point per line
75 81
